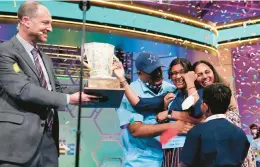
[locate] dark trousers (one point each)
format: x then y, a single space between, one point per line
45 156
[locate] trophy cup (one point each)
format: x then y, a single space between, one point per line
100 57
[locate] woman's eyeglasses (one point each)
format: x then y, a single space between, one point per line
175 73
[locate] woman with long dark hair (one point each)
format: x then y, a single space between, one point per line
206 75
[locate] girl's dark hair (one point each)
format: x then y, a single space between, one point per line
182 61
217 78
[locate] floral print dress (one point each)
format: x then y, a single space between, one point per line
234 117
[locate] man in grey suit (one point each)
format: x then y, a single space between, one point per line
30 94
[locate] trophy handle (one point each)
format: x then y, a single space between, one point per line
84 63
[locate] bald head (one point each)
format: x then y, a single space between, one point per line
28 9
34 22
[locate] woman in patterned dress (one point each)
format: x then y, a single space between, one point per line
206 75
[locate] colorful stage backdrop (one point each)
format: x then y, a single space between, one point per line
100 143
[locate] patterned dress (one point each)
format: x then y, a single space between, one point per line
172 156
234 117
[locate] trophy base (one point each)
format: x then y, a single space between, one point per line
108 88
107 83
111 98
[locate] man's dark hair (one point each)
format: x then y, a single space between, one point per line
253 126
217 97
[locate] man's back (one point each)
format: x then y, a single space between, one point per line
218 142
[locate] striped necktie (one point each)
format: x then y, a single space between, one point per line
36 57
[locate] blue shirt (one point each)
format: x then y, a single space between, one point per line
141 152
216 143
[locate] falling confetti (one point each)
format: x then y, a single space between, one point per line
64 146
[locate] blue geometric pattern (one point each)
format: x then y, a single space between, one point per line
100 139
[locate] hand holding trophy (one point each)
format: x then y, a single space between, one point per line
100 58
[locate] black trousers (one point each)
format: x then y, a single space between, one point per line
45 156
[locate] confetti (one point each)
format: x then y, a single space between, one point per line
64 146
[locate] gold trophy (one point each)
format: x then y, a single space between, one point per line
100 58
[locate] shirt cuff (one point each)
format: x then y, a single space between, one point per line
68 99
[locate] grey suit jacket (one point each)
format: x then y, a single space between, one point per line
24 104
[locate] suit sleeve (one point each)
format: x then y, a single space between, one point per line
18 85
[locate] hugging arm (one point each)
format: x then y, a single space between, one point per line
134 121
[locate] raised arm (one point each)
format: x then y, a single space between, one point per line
195 109
120 74
139 104
190 78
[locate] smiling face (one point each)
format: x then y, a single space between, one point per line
205 75
176 75
37 25
41 25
